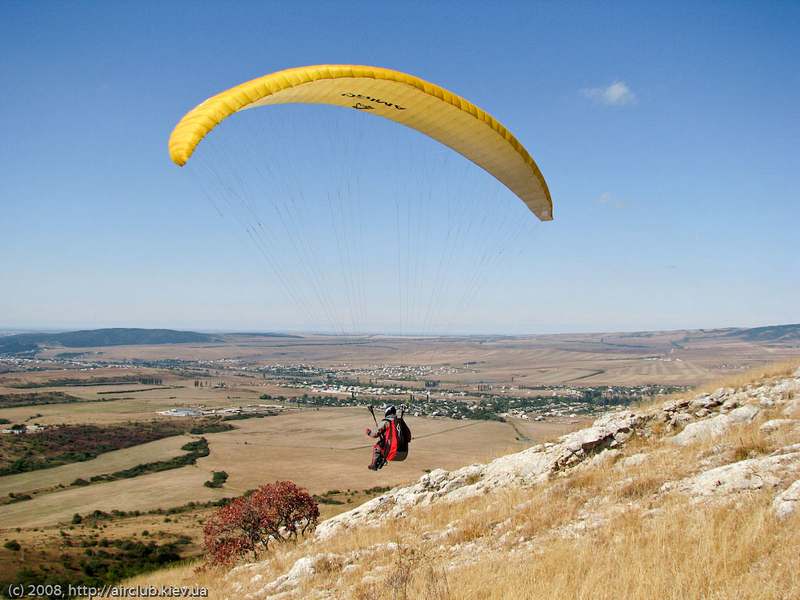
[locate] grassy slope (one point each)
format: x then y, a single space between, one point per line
598 531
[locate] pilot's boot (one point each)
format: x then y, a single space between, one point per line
377 459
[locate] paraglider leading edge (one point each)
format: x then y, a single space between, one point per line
400 97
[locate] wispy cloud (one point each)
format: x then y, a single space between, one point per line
616 94
606 199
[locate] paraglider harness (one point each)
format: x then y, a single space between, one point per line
393 441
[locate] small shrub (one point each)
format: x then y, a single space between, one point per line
12 545
218 479
280 511
76 518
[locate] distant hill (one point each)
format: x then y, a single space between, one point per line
31 342
770 333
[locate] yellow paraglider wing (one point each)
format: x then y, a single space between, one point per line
428 108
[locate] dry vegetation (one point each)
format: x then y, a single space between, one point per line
509 543
606 529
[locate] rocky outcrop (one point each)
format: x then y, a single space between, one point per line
745 475
715 426
705 474
787 501
704 417
523 468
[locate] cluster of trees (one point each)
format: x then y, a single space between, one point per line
208 383
36 398
63 444
76 381
101 562
211 426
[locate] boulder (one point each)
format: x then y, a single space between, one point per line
745 475
715 426
730 404
704 401
744 414
787 501
303 568
606 457
675 405
680 419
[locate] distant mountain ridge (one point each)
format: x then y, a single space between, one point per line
31 342
770 333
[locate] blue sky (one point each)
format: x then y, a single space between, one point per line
668 134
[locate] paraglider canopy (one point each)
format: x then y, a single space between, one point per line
400 97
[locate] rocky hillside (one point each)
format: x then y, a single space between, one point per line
695 497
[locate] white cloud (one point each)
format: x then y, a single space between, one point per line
606 199
616 94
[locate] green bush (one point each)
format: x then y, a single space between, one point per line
218 479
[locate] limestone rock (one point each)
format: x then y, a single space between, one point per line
676 405
744 414
530 466
787 501
730 404
680 419
303 568
745 475
715 426
608 456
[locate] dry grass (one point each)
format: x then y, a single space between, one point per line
639 487
750 443
706 552
600 531
753 376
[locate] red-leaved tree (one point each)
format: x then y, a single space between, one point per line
277 511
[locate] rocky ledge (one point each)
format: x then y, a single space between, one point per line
684 422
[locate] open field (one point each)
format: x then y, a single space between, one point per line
133 407
673 357
320 450
105 463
